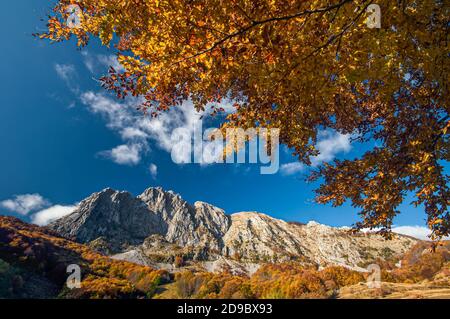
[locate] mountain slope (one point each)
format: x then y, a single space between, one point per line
33 263
156 227
201 224
121 220
34 260
257 235
117 217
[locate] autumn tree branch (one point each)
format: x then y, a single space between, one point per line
261 22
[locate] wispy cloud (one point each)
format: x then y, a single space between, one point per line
291 168
153 169
130 133
24 204
329 145
37 207
137 130
124 154
419 232
50 214
96 63
68 74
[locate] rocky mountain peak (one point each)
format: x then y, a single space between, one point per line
165 203
118 217
125 220
161 222
153 193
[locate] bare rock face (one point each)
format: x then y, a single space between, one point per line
117 217
258 237
199 225
123 220
157 226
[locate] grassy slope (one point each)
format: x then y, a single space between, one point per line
388 290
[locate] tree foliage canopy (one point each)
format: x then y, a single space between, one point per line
301 66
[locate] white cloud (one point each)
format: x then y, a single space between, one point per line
124 154
50 214
24 204
37 207
130 133
291 168
110 60
419 232
160 129
153 170
88 61
137 130
67 73
100 62
328 145
117 115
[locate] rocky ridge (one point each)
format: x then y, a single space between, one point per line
158 226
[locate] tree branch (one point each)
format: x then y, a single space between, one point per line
257 23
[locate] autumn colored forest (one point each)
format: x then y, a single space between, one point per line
33 264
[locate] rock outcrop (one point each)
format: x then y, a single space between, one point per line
258 237
123 220
118 218
157 226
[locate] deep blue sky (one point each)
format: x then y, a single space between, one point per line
50 141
